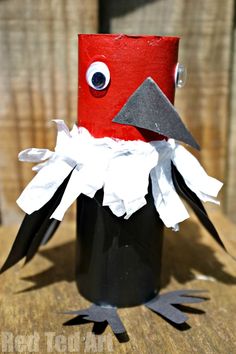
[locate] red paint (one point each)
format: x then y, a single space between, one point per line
131 59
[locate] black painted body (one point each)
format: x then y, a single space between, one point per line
118 261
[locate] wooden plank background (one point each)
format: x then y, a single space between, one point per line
231 156
38 81
38 76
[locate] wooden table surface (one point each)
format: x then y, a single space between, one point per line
32 297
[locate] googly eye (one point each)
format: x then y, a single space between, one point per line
98 75
180 75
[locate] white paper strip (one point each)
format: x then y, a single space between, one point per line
195 176
121 168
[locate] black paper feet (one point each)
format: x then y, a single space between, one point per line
164 305
101 315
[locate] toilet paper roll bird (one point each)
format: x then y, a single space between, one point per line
126 164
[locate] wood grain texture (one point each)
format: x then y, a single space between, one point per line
205 28
231 161
38 72
32 297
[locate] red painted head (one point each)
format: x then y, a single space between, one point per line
130 60
127 87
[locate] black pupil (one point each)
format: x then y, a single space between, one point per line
98 80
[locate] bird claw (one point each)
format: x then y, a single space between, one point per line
164 304
101 314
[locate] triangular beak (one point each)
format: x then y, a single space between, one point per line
150 109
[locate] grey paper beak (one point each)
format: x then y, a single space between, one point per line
150 109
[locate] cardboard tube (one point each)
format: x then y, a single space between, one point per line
130 60
118 261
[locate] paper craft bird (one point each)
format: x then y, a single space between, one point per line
125 166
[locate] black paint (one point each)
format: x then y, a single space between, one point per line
118 260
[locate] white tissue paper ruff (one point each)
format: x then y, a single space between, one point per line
122 168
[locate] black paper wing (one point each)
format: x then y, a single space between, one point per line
192 199
35 230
